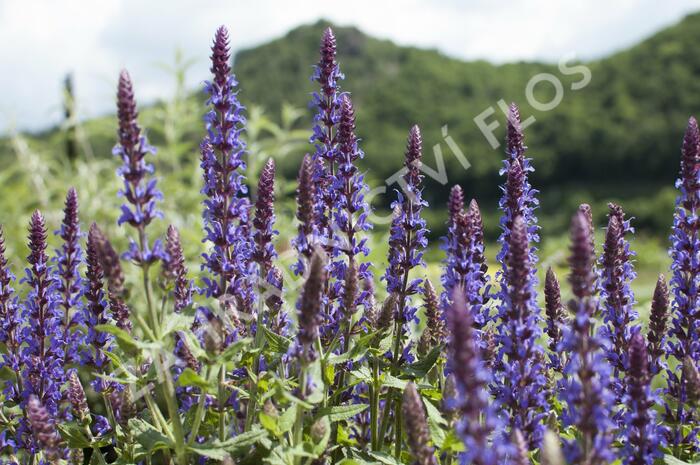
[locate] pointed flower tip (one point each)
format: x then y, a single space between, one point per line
582 256
414 148
455 204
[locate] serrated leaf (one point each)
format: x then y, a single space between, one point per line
74 435
124 340
433 413
148 436
243 440
394 382
420 368
341 412
277 343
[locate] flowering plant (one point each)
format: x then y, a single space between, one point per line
236 364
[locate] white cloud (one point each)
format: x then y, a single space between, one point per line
42 40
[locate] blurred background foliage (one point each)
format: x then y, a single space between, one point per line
617 139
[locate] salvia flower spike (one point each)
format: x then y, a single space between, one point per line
407 237
479 427
521 390
555 318
416 425
306 202
43 428
350 216
140 190
658 322
616 275
309 313
10 325
226 207
589 401
640 431
326 101
685 286
68 259
43 372
176 270
95 312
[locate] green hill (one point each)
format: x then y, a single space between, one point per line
617 138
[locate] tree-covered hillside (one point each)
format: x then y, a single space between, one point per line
618 137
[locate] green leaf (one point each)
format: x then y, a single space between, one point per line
189 377
433 413
287 419
148 436
124 339
243 440
176 322
341 412
421 368
358 350
74 435
671 460
270 423
212 450
385 458
277 343
394 382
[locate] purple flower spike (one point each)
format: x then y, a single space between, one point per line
616 275
465 264
139 190
684 334
584 387
174 267
326 102
264 221
306 201
9 325
555 318
350 217
640 433
95 311
522 386
226 207
309 314
43 429
479 427
515 140
68 259
42 353
407 236
416 425
110 263
658 322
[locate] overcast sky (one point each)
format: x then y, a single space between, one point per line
42 40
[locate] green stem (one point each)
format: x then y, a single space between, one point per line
259 340
199 414
221 394
171 402
299 423
157 415
398 428
374 404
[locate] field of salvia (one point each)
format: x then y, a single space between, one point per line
309 353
